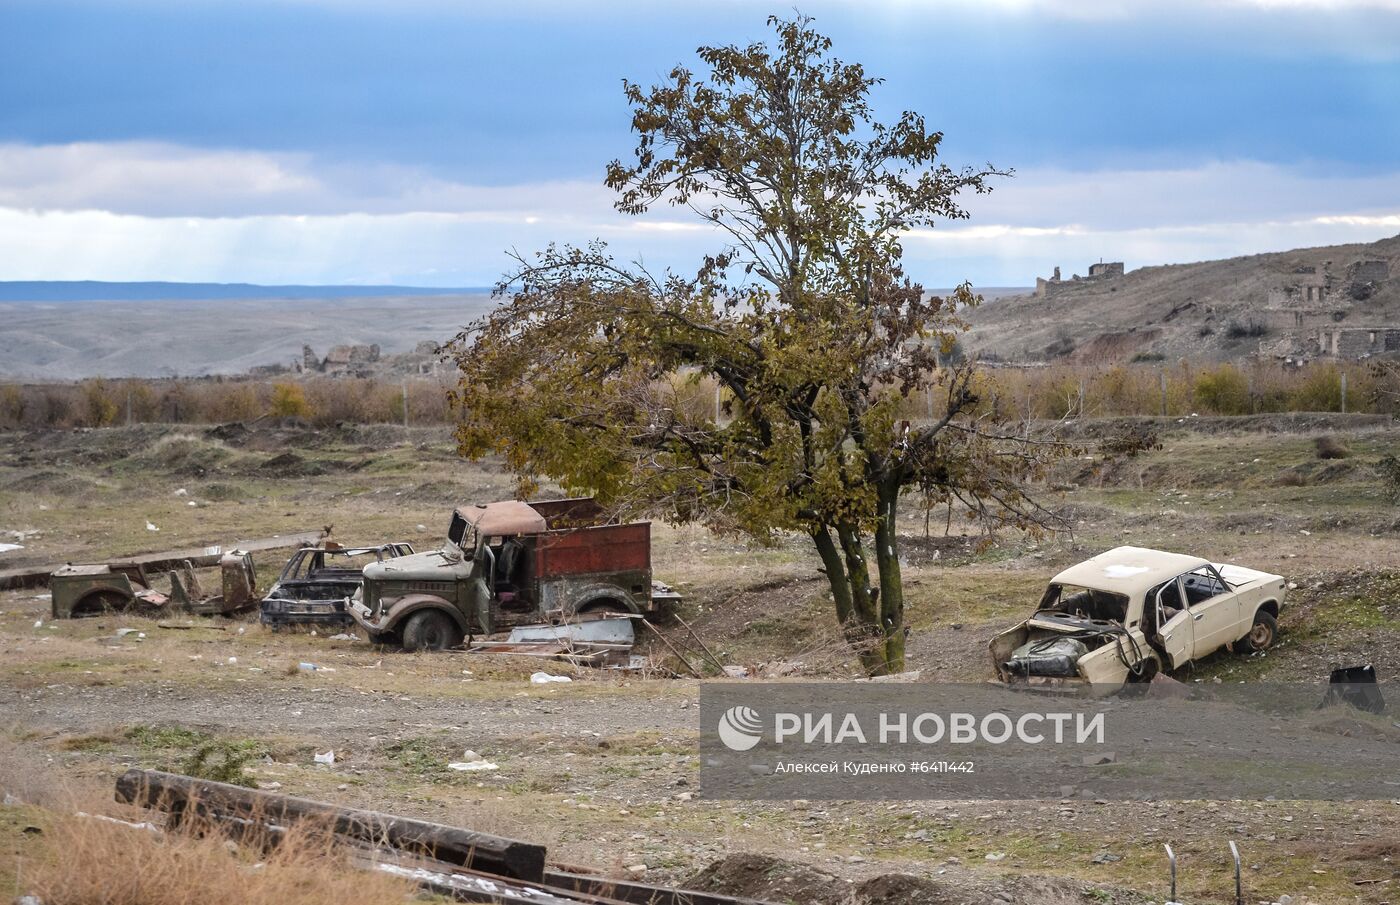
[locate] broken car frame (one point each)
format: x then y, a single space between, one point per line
1126 614
317 582
95 589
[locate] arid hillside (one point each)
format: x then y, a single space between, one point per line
72 340
1340 300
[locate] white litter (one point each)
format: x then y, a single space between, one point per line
182 492
6 548
123 632
343 637
38 623
327 758
150 526
544 678
472 766
193 503
307 667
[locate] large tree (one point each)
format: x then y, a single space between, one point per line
803 317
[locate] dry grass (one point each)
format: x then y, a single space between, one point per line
91 861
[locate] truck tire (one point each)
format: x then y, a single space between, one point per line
1261 634
430 630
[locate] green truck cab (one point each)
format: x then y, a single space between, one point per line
507 564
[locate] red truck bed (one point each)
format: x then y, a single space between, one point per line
606 548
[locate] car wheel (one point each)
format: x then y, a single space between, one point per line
430 630
1261 634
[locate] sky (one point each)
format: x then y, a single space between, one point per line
419 141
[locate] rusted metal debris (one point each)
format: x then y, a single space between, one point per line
605 641
461 864
91 590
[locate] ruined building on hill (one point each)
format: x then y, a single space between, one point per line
1098 273
1329 311
359 360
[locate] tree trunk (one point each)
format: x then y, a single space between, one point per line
857 609
891 580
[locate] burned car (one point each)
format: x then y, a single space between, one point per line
96 589
509 564
1124 615
317 581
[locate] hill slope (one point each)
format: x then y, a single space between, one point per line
1341 300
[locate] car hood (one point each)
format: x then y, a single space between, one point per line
430 561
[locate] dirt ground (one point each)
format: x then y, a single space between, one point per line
604 770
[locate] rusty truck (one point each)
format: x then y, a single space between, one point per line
508 564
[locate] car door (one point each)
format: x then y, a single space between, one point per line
1176 630
1214 609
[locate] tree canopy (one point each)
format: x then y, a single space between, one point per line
803 317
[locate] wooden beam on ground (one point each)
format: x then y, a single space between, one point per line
199 557
179 795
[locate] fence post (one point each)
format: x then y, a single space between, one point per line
1163 380
1081 397
1344 392
404 387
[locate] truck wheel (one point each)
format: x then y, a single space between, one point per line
430 630
1261 634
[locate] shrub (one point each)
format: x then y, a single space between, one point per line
99 407
1389 469
1320 391
1331 448
1223 390
289 401
221 761
1237 330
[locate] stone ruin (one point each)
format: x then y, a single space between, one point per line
1318 312
1098 273
356 360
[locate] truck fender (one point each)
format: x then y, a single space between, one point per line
593 597
412 603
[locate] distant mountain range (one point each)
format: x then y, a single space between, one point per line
99 291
